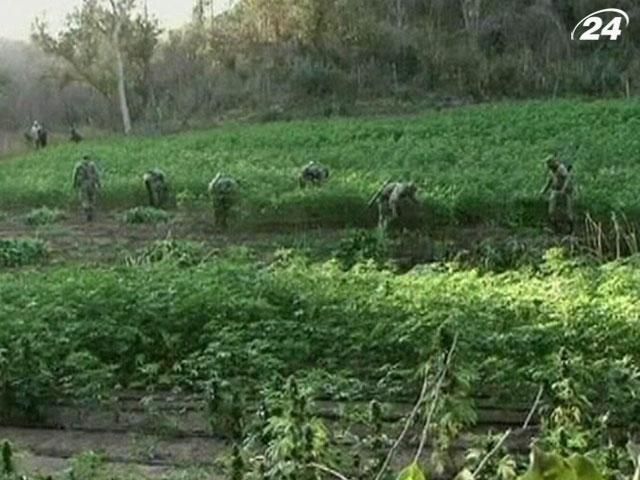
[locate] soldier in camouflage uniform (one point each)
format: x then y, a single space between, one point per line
156 184
313 174
86 180
37 135
74 135
561 198
393 199
35 131
223 191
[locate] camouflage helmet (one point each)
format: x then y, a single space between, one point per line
411 187
551 160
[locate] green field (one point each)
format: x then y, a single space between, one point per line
74 330
473 164
233 315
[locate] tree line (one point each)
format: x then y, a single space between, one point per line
322 56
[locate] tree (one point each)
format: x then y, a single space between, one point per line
119 12
102 42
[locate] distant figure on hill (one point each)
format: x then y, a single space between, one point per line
223 191
313 174
560 183
35 129
37 135
74 135
157 187
86 181
395 199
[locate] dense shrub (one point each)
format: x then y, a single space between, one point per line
43 216
230 319
139 215
18 253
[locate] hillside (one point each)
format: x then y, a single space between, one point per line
475 164
171 344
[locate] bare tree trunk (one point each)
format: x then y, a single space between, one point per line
399 12
471 15
122 91
627 86
396 83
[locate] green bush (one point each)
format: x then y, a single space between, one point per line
140 215
237 321
18 253
43 216
361 246
181 252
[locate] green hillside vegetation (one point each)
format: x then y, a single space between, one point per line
194 313
473 164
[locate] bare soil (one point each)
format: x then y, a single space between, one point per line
108 238
171 434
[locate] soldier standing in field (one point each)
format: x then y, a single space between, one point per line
37 135
74 135
157 187
560 183
86 180
223 191
313 174
35 131
394 200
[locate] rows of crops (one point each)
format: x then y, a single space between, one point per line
81 332
481 163
229 324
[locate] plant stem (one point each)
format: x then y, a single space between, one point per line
407 425
506 435
436 396
533 408
488 456
328 470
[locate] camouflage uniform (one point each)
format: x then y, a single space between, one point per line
74 136
35 131
313 174
37 135
561 197
156 183
86 180
223 191
393 199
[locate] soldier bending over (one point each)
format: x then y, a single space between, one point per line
561 197
157 187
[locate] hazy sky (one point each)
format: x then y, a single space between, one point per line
16 16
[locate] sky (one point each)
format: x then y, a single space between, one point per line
16 16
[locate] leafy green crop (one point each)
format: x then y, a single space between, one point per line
139 215
181 252
18 253
82 331
43 216
472 164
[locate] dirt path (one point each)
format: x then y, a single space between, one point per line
126 447
168 434
108 238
